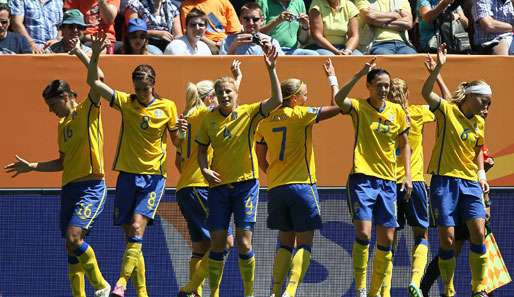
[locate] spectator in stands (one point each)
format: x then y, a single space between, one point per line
11 42
136 41
429 11
385 25
250 41
191 44
99 16
287 21
72 27
494 24
334 27
37 21
162 19
221 20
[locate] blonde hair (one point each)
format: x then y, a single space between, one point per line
196 93
225 79
459 95
291 87
398 93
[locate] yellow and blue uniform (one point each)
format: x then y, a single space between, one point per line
293 197
232 137
415 210
141 155
80 139
372 182
456 194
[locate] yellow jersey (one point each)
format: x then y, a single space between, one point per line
191 175
287 132
81 141
232 138
376 131
142 144
457 137
418 115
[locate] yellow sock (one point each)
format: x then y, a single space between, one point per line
139 277
419 262
87 258
281 267
382 261
386 285
198 269
478 265
215 272
447 269
360 255
76 277
299 266
130 260
247 270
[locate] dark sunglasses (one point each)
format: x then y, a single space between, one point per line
4 22
255 19
199 24
137 36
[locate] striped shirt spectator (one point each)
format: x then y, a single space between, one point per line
489 16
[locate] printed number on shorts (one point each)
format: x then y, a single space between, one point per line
151 200
249 205
283 130
85 211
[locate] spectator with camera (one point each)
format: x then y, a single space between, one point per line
334 27
494 27
191 43
11 42
162 19
288 23
250 41
71 27
37 22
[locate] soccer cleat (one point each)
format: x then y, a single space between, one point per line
480 294
361 293
414 291
118 292
103 292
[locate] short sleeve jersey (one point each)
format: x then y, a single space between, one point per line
457 138
191 175
142 144
232 138
80 138
382 34
287 132
376 132
419 115
335 21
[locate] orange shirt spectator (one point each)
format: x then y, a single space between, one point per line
222 19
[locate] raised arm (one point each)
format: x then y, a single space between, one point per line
98 45
342 99
79 53
24 166
270 57
430 65
433 100
235 68
327 112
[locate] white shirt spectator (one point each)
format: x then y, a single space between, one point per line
181 46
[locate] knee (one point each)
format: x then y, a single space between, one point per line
447 242
244 244
229 243
362 235
136 229
477 237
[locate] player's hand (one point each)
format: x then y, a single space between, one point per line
487 214
488 164
19 167
441 54
430 63
270 57
235 68
368 67
211 176
182 126
407 187
75 46
485 185
329 68
99 42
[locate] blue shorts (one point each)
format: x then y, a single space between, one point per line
455 200
237 198
193 205
137 194
414 211
294 207
372 199
81 203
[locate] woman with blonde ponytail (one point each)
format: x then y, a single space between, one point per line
192 188
285 136
458 176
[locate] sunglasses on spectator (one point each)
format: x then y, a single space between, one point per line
4 22
199 24
137 36
254 19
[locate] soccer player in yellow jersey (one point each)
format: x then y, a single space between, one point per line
456 188
286 155
140 159
192 188
80 139
230 130
380 127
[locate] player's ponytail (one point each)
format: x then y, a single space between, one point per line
399 94
196 94
459 96
290 88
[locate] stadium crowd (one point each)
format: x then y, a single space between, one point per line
299 27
